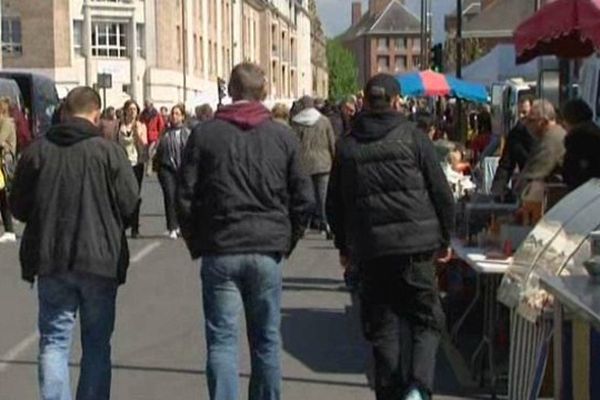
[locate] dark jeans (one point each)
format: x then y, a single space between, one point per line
402 318
138 170
5 212
320 182
168 183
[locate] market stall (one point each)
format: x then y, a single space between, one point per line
557 246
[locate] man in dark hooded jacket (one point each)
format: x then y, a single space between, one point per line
243 203
391 211
75 191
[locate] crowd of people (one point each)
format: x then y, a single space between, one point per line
241 186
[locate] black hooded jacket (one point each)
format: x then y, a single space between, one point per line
241 186
387 193
75 191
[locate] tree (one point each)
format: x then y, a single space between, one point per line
343 71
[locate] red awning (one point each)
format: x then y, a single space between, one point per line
564 28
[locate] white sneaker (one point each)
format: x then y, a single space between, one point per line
8 237
414 395
173 235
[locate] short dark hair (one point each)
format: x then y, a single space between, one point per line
576 111
82 100
204 111
380 90
425 121
527 98
247 82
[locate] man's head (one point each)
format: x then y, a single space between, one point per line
349 106
541 117
426 124
247 83
164 111
319 103
83 102
525 106
204 112
306 102
381 93
110 113
148 104
576 112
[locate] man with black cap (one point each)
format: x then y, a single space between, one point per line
392 212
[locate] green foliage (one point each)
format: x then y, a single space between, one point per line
343 71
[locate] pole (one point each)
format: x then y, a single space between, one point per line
459 51
423 47
104 96
184 50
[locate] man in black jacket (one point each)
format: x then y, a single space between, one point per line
243 203
75 190
392 211
517 149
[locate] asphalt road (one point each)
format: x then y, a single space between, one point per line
158 345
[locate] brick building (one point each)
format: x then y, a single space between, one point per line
387 38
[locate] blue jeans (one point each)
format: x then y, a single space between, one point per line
59 299
230 283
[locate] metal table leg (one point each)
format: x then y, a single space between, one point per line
458 324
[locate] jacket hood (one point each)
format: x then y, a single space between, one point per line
245 115
370 126
308 117
72 131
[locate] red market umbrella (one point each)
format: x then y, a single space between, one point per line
564 28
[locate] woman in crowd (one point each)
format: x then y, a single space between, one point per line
167 161
133 138
8 148
281 114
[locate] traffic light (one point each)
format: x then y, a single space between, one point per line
437 58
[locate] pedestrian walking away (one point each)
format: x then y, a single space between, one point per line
317 143
243 203
391 211
167 162
133 138
8 151
74 242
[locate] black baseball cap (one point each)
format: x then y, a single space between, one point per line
381 89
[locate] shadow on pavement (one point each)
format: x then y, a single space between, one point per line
323 340
191 371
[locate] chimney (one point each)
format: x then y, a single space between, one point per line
377 6
356 12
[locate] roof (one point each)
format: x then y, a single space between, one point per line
500 19
394 19
469 7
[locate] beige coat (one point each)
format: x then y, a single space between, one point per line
8 134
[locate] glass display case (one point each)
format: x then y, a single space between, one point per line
557 245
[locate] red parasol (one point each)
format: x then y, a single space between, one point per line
565 28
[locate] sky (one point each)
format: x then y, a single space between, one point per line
335 14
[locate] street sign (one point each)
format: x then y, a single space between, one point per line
104 81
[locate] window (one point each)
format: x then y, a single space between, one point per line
109 40
382 44
140 35
417 62
416 44
78 37
383 64
400 43
211 58
201 54
178 40
195 52
400 63
11 36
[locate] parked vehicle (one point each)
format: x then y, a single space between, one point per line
589 85
39 98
